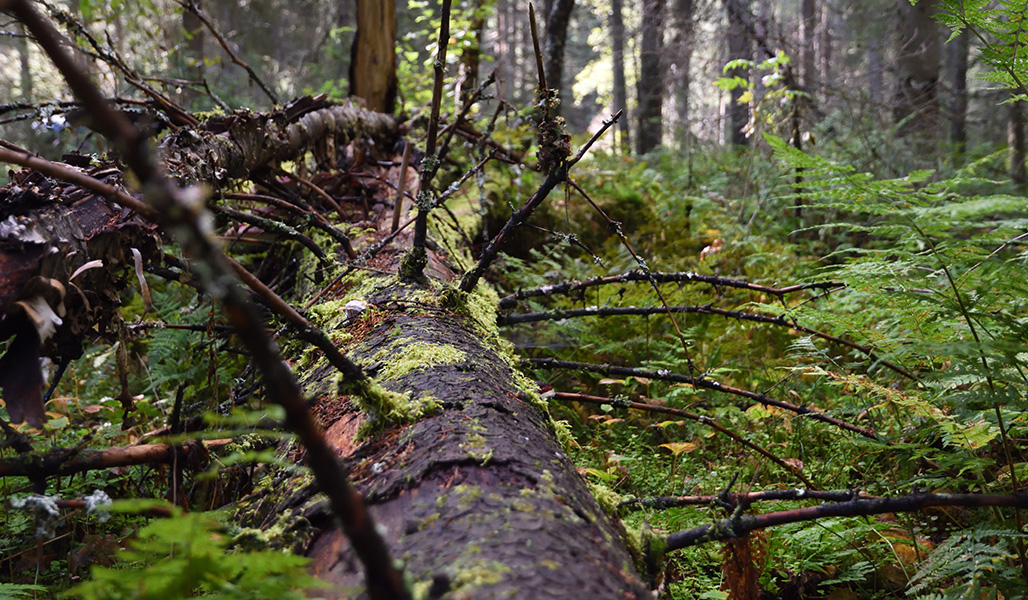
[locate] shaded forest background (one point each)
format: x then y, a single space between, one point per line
811 221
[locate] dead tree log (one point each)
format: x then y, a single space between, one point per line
474 492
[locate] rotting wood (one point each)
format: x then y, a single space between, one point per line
477 498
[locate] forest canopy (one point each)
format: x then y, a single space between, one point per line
491 299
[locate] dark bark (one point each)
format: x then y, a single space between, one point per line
478 498
617 40
557 20
957 75
650 84
916 104
373 58
808 56
682 62
739 47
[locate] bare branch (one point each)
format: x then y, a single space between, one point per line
661 277
737 527
703 420
701 383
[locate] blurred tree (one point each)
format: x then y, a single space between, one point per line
557 20
918 52
373 60
617 41
957 76
740 47
650 84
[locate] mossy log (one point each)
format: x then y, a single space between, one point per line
472 489
477 498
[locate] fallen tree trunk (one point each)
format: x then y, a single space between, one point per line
474 494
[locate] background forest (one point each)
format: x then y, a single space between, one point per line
819 202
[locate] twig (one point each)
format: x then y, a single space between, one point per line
312 216
702 383
741 499
271 226
60 463
661 277
703 309
616 228
401 186
737 527
414 263
703 420
193 8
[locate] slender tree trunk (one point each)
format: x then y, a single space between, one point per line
739 47
1015 140
22 45
917 65
958 51
556 38
875 68
808 55
467 76
682 61
824 48
617 38
373 58
650 86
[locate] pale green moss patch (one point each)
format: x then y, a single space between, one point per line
477 574
414 356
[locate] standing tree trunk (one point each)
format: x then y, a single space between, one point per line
1015 140
824 49
22 45
739 47
556 37
467 75
682 63
917 66
373 56
808 58
957 71
617 40
650 85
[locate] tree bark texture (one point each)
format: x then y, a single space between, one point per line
739 47
650 85
477 499
681 58
917 65
557 20
373 58
957 75
617 41
808 58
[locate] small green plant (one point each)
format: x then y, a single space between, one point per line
189 555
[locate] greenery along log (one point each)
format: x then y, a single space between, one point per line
458 461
